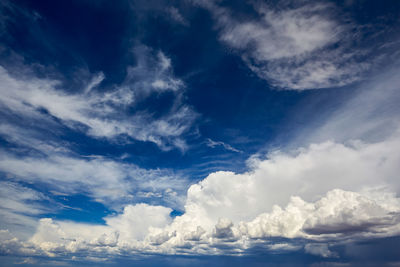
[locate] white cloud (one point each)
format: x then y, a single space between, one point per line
324 194
284 33
175 15
96 80
149 229
212 143
19 208
105 115
296 45
123 230
337 215
19 198
151 73
308 173
370 113
45 160
107 181
319 250
32 138
142 217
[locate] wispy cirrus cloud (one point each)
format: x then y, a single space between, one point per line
106 114
212 143
35 111
294 45
19 208
107 181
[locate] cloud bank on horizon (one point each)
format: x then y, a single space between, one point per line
200 129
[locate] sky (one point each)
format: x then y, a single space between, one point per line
199 132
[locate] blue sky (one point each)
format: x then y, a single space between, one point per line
199 132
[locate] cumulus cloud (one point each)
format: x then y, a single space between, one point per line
307 173
142 217
10 245
123 230
296 45
142 229
338 214
302 195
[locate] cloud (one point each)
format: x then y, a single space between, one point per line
370 113
18 198
319 250
37 157
107 181
142 216
307 173
105 114
312 197
142 228
117 235
52 234
151 73
211 143
33 108
293 45
19 208
177 16
285 33
338 214
309 198
301 196
96 80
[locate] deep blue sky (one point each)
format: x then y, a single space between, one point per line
109 104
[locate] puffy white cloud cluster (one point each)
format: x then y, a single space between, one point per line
284 196
339 213
125 230
338 216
